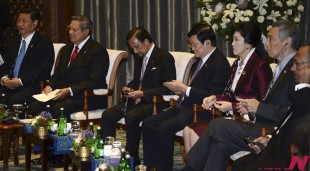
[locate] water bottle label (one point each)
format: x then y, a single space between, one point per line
101 152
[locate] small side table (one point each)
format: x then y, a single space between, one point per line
82 163
6 131
44 143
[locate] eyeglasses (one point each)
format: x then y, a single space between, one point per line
194 45
73 28
299 63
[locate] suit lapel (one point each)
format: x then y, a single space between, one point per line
28 52
204 67
80 55
244 75
150 62
280 77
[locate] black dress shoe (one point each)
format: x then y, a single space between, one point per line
37 161
56 162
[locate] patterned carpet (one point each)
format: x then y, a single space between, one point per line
178 163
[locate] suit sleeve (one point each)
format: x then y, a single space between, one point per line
216 84
41 61
275 112
168 72
97 74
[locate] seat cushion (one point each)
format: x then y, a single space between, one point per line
93 114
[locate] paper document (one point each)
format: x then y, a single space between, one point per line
44 98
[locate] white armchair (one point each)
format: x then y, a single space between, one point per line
86 116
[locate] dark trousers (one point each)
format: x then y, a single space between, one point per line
18 96
221 139
158 133
70 104
134 115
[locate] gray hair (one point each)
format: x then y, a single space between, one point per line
86 22
288 29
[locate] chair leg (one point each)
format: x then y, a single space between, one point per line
16 146
229 162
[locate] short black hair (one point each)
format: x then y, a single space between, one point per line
203 32
250 32
140 33
34 14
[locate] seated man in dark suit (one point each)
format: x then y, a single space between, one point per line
277 153
208 75
153 66
224 137
83 64
29 59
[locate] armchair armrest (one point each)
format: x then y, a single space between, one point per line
161 99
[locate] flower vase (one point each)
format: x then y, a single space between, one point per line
83 152
41 131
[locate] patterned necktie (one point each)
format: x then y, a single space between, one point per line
143 67
192 74
19 59
74 54
194 69
141 76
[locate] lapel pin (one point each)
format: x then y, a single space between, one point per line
206 65
243 73
84 52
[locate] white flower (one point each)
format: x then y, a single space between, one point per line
289 12
300 8
246 19
263 12
219 7
225 20
289 3
215 27
207 20
249 12
260 4
279 3
273 16
297 20
223 25
260 19
269 27
203 12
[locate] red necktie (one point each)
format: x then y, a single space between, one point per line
74 54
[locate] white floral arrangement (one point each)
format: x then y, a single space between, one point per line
223 15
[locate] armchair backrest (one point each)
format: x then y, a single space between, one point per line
181 63
115 57
57 47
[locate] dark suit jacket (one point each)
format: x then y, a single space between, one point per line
277 152
273 108
253 82
160 68
36 65
87 71
211 79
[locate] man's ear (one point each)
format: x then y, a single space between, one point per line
207 42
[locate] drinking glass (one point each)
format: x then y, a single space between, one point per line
140 168
17 109
109 140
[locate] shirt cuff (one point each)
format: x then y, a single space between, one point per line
301 85
6 76
71 93
187 91
21 83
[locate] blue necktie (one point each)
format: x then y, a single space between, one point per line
19 59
